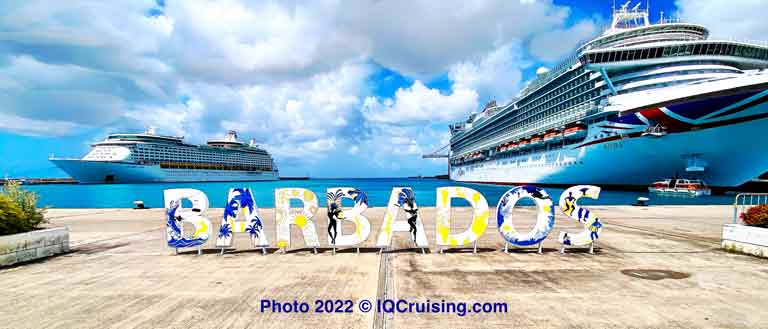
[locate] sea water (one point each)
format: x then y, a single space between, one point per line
378 190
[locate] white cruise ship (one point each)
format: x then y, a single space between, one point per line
639 103
148 157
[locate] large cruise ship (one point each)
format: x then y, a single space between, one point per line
148 157
640 102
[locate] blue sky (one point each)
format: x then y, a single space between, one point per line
331 88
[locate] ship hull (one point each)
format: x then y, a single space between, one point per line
97 172
733 153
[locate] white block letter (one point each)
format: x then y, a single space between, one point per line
176 214
241 215
402 197
336 236
303 220
443 224
545 219
592 225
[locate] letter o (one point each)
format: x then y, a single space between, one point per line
545 218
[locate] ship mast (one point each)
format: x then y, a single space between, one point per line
624 17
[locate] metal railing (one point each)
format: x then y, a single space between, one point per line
744 201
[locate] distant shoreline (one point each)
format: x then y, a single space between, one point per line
68 180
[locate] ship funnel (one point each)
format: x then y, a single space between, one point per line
252 142
151 130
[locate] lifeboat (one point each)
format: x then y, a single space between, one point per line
553 136
536 140
523 143
577 131
683 187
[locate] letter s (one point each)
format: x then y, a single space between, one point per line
592 225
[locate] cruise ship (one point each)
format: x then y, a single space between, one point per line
639 103
148 157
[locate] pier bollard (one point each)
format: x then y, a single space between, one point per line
358 250
263 250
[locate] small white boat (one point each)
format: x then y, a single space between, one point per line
689 187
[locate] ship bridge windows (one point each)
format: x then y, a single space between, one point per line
691 49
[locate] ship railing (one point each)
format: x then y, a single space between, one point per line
744 201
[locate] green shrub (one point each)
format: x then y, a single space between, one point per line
756 216
18 210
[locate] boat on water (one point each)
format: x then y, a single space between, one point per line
640 101
148 157
684 187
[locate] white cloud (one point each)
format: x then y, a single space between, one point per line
424 38
33 127
496 75
250 42
419 105
727 19
553 45
296 76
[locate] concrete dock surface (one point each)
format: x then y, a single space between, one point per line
655 267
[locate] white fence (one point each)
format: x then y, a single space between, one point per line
744 201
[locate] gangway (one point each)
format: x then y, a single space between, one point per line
437 154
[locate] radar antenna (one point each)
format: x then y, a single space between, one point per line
624 18
625 5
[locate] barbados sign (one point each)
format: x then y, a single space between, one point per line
241 215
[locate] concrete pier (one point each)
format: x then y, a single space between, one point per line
654 267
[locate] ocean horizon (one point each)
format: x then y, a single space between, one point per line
377 189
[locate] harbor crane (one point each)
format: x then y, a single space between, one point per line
437 154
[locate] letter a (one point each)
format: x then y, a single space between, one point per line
402 198
241 214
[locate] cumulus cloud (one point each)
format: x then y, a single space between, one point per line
418 104
553 45
424 38
727 19
497 75
256 42
295 76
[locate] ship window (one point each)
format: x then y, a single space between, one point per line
708 49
